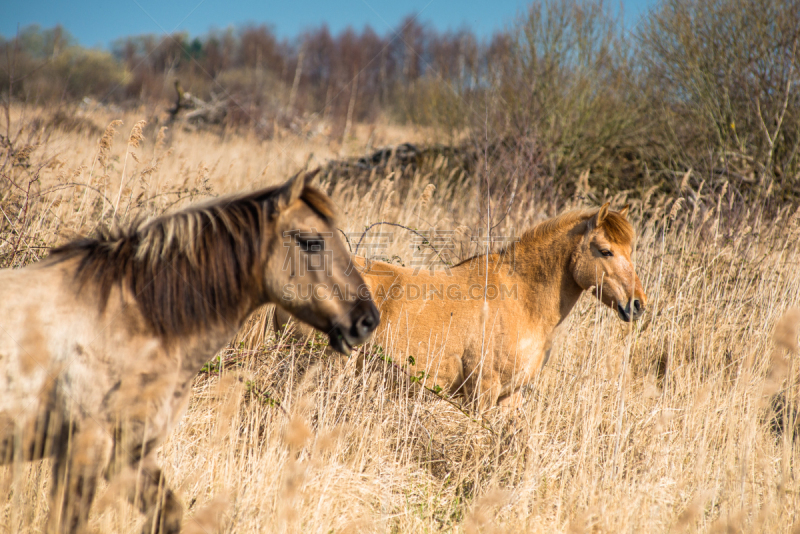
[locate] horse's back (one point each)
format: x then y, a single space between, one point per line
28 303
27 354
42 329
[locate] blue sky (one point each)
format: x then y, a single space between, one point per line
98 23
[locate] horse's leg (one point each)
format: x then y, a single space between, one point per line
154 499
510 402
483 391
481 384
79 459
482 394
489 393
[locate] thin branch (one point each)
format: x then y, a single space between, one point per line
510 200
370 227
70 184
347 240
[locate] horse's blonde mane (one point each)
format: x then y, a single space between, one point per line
616 227
189 268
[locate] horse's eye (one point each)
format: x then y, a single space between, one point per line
607 253
311 245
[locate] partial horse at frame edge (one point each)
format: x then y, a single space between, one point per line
101 341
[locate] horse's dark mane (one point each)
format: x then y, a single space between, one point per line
190 269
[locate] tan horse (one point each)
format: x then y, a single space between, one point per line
484 327
100 342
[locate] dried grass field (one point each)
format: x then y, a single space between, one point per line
683 422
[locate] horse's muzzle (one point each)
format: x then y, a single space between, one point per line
364 319
632 311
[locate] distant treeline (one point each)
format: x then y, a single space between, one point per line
707 85
317 72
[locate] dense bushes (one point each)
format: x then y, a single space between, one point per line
567 81
44 66
711 87
726 75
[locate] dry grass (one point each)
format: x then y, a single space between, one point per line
661 427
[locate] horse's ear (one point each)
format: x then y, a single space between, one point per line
290 191
624 211
293 188
600 216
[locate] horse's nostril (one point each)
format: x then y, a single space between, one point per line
365 324
637 305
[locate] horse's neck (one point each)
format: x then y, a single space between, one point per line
204 334
543 269
200 347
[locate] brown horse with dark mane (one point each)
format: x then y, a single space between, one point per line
100 342
484 328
